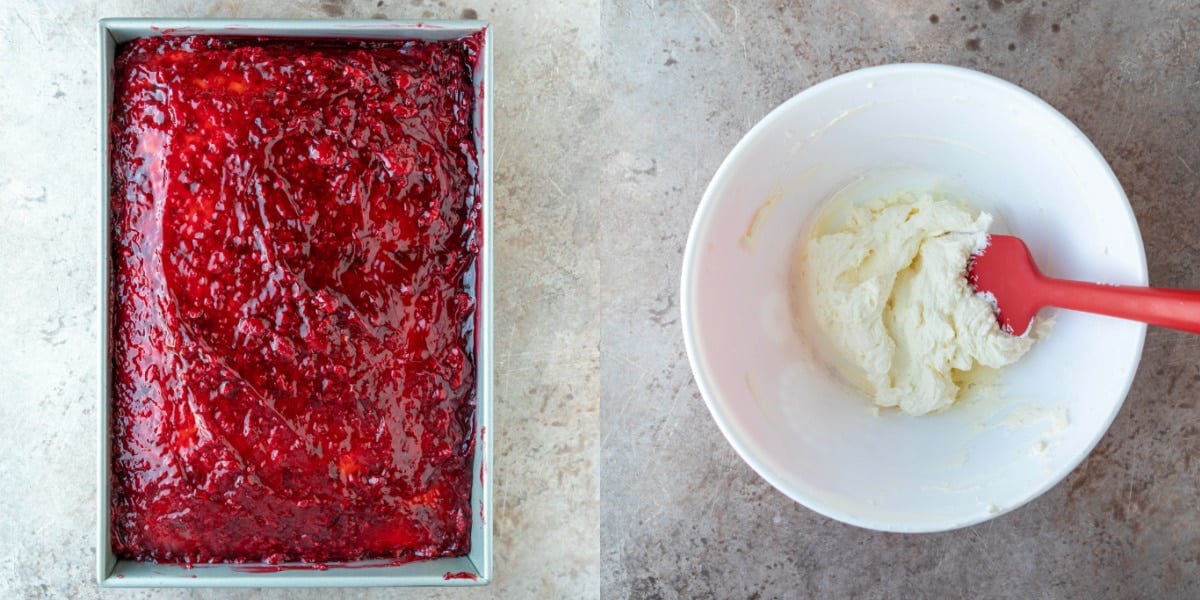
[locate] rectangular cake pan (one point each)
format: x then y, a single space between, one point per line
473 569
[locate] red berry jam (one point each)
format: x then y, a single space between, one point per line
294 246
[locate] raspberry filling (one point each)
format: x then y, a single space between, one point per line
293 265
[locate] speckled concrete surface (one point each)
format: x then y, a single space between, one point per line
547 371
611 479
682 515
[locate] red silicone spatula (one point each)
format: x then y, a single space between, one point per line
1007 271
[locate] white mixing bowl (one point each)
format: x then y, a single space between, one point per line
767 384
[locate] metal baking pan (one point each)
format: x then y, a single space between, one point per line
473 569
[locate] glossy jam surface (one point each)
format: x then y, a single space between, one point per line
294 244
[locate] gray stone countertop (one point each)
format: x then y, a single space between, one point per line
611 478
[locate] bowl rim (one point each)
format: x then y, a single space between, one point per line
697 360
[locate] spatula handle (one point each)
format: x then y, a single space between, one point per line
1177 309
